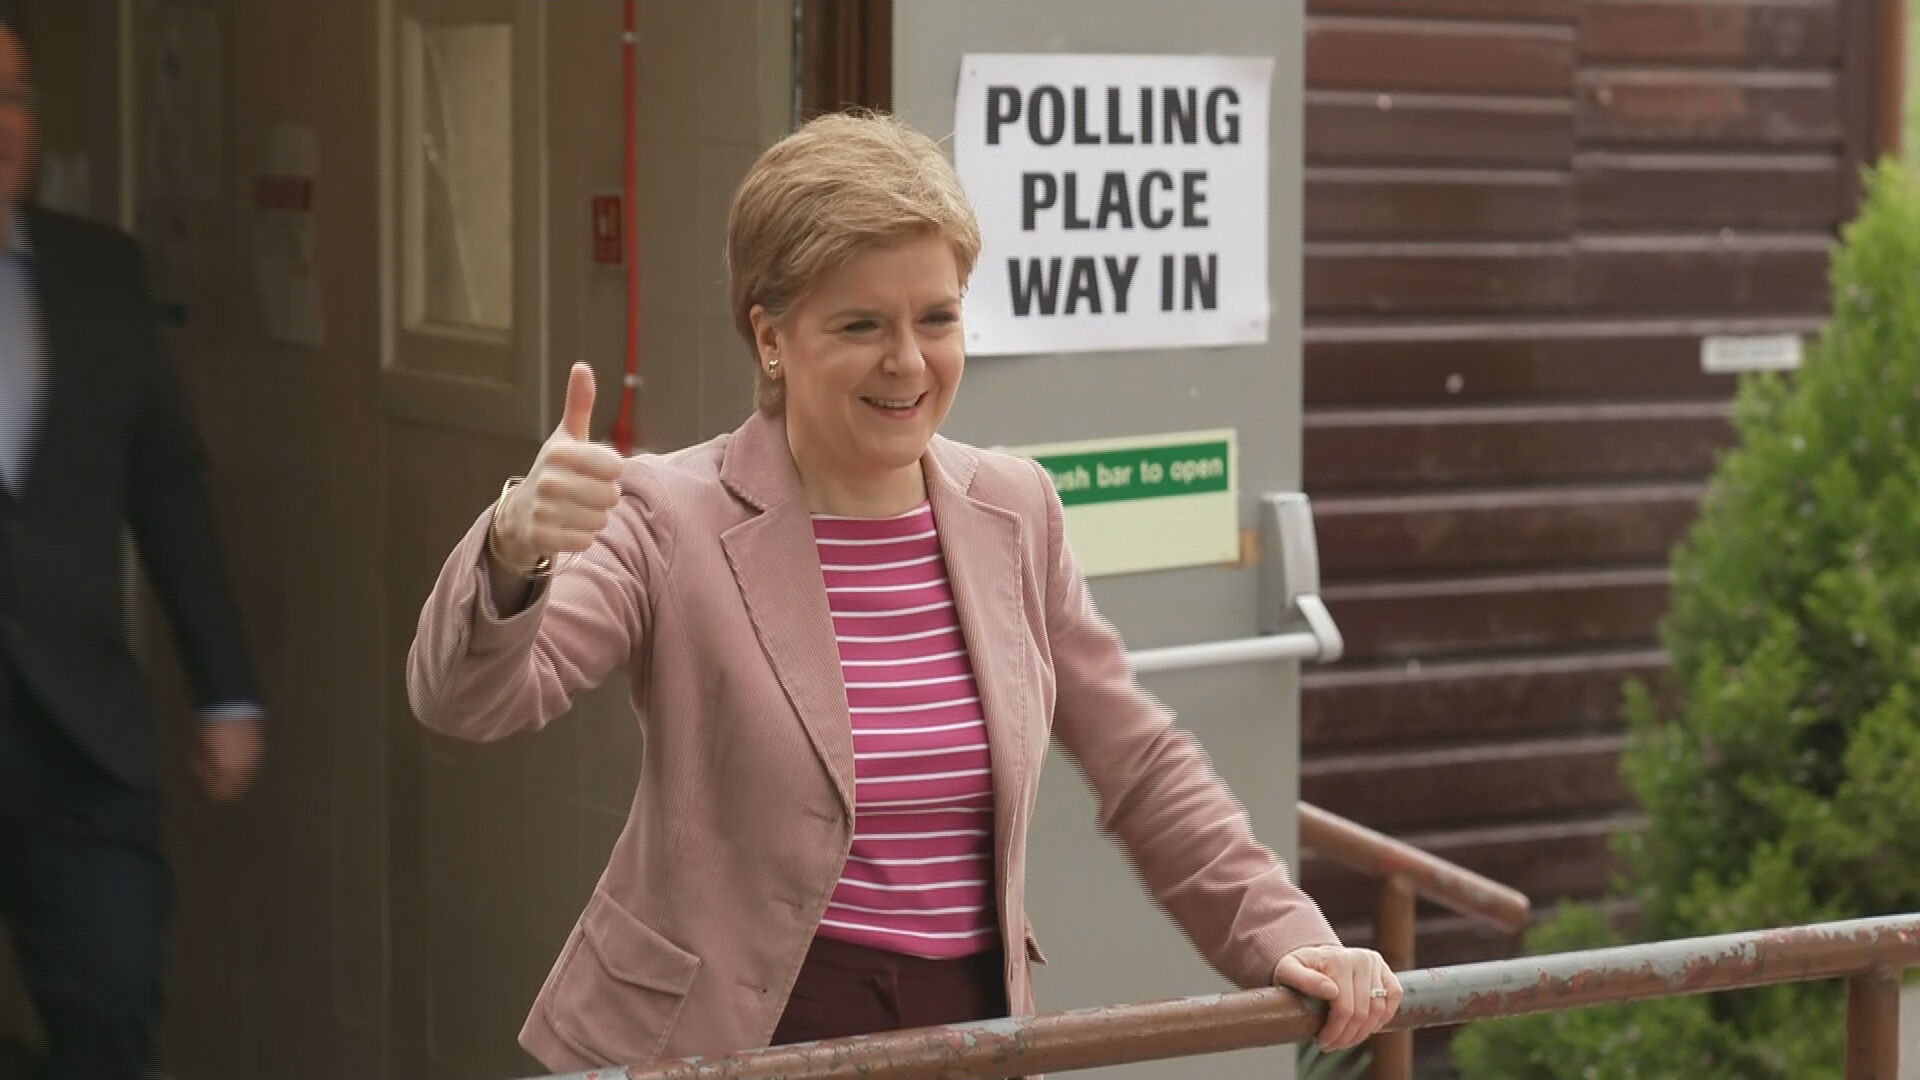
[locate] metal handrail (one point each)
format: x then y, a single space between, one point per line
1430 877
1298 645
1289 598
1320 642
1869 953
1406 874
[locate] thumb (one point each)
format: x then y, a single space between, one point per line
579 412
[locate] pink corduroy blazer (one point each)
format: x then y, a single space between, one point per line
706 587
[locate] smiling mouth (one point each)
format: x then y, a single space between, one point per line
895 405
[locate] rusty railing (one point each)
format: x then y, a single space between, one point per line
1868 953
1407 874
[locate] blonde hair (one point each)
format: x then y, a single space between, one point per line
844 184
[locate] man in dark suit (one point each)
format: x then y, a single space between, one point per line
95 437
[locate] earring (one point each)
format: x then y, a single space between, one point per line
773 366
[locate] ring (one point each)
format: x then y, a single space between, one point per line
1380 992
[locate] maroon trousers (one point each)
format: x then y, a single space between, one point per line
846 989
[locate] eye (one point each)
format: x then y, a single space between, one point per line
942 318
860 326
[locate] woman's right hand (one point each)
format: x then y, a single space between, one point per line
562 505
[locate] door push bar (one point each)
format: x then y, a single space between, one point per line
1294 622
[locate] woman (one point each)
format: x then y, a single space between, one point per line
850 641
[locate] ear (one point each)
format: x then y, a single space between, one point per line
766 334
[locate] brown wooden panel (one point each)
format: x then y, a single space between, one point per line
1688 31
1434 204
1526 10
1440 940
1504 529
1345 126
1399 792
1347 707
1485 362
1540 859
846 55
1379 448
1546 428
1772 108
1704 273
1709 191
1360 53
1752 273
1443 939
1400 279
1873 74
1499 614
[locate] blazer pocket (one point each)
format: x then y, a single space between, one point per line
1034 955
623 987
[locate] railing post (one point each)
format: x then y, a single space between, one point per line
1393 940
1873 1025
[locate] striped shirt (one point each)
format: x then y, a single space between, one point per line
920 876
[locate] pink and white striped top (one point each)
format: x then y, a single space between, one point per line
920 877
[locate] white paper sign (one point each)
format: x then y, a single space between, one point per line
1123 200
1727 354
283 237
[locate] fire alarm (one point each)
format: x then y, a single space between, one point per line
609 240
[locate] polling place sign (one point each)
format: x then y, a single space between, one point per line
1122 200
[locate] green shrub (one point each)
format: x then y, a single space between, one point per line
1784 785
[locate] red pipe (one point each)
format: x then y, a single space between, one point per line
623 433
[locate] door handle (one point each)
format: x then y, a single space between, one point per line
1294 621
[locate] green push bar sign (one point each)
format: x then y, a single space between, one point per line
1153 502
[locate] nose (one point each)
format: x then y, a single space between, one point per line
904 358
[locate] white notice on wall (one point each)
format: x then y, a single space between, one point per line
1727 354
284 256
1123 200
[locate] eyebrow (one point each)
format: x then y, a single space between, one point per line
876 313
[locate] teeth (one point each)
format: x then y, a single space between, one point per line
891 404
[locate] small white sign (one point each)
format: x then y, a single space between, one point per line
284 237
1122 200
1726 354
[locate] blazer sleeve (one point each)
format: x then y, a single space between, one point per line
170 512
473 674
1185 833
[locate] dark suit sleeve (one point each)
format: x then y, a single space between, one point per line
171 512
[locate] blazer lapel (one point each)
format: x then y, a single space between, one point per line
777 567
981 543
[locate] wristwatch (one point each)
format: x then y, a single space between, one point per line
542 567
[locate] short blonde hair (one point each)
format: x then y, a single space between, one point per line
843 184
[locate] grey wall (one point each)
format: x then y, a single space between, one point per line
1105 941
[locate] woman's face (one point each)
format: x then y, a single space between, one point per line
870 357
